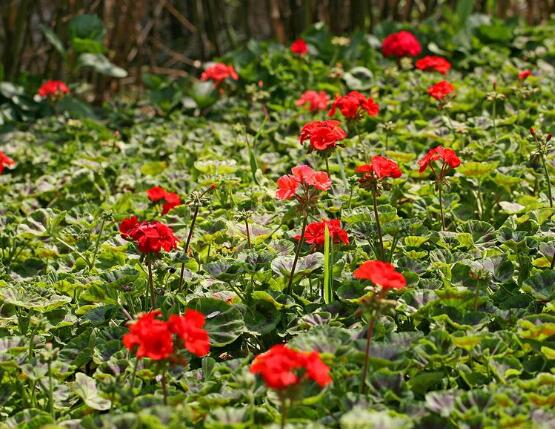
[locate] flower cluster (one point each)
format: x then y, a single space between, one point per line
401 44
5 161
382 274
302 177
282 368
524 74
315 100
219 72
433 63
150 237
53 89
315 232
379 168
322 135
448 156
441 90
154 338
170 199
299 47
351 105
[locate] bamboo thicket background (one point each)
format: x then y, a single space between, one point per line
173 37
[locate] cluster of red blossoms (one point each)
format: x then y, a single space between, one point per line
299 47
170 199
448 156
53 89
322 135
382 274
219 72
315 232
150 237
431 62
351 104
441 90
302 176
316 100
379 167
524 74
283 368
154 338
401 44
5 161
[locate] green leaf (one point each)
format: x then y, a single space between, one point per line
101 64
32 298
224 322
54 40
85 387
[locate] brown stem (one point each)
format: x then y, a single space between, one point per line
151 284
378 225
297 252
186 249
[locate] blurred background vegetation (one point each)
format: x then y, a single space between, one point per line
112 43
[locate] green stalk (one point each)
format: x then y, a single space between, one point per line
378 225
186 249
297 252
494 116
97 245
165 385
327 286
548 181
50 388
369 334
440 190
151 283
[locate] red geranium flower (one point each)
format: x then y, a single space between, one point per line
524 74
380 167
315 232
322 134
440 90
351 104
150 337
299 47
53 89
171 199
431 62
190 328
302 176
448 156
5 161
282 368
150 237
219 72
380 273
315 100
401 44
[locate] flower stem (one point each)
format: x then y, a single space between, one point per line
494 116
369 334
97 245
151 284
378 225
440 190
50 389
297 252
165 386
134 374
327 166
553 261
186 249
284 411
548 181
248 233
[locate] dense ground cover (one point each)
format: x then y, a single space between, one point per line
463 337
